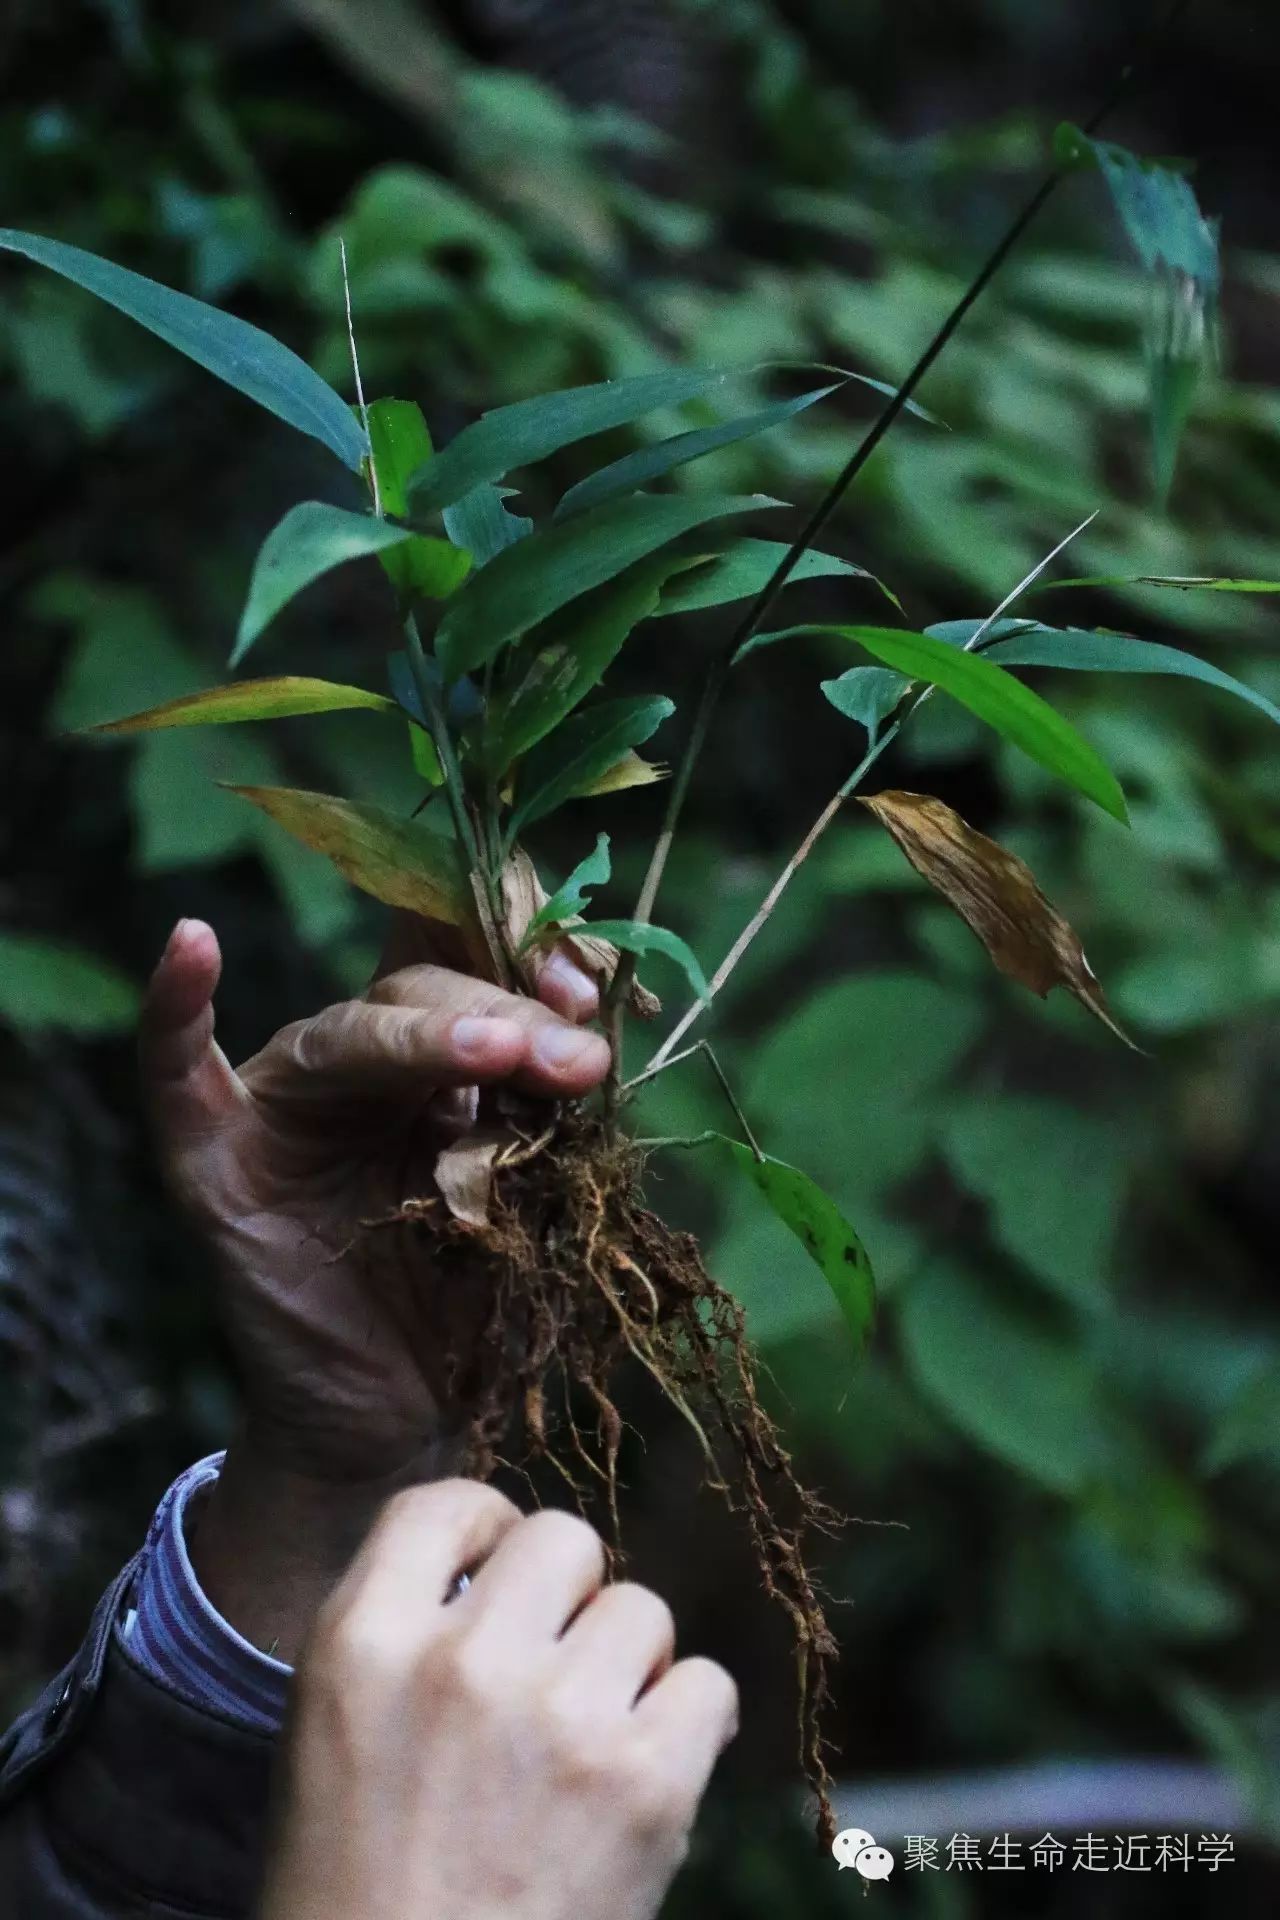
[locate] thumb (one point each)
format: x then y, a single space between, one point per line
185 1076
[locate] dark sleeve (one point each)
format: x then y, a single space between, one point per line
118 1800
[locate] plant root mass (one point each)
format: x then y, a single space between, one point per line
569 1277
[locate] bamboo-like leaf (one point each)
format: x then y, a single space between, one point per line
556 667
996 697
570 900
314 538
244 356
481 523
743 568
1087 651
311 540
275 699
418 566
867 695
823 1232
426 761
399 443
640 937
530 430
399 862
995 893
562 765
636 470
1184 582
1179 249
530 581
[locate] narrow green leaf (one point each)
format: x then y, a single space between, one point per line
397 861
426 761
867 695
399 444
571 899
419 566
1185 583
639 937
535 578
636 470
462 702
1156 205
481 523
426 568
822 1231
1178 248
1101 652
529 430
582 749
242 355
46 983
277 699
554 668
312 539
997 698
744 567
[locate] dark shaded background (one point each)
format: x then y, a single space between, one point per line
1067 1437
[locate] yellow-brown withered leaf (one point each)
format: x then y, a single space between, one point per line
996 894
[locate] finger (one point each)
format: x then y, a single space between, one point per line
542 1573
559 1059
692 1714
618 1645
185 1075
560 983
360 1051
408 1566
565 987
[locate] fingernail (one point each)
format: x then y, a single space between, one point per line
559 1047
570 980
475 1037
177 936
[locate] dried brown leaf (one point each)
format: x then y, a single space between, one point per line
464 1174
996 894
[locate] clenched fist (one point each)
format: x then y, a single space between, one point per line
527 1750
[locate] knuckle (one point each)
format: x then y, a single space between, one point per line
446 1506
647 1609
567 1535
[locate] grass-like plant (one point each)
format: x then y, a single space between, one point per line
500 632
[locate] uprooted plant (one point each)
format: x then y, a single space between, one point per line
549 1269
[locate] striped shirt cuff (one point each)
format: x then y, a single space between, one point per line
171 1631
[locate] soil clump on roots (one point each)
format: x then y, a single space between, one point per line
570 1276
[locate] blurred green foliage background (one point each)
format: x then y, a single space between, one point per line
1070 1422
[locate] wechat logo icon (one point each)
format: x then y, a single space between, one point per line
854 1847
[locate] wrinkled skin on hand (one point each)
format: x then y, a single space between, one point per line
335 1122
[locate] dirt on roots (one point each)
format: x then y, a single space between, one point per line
569 1278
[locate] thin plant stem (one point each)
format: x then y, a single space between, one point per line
663 1057
832 808
713 686
438 727
355 368
677 1139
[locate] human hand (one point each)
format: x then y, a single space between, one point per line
336 1121
527 1750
